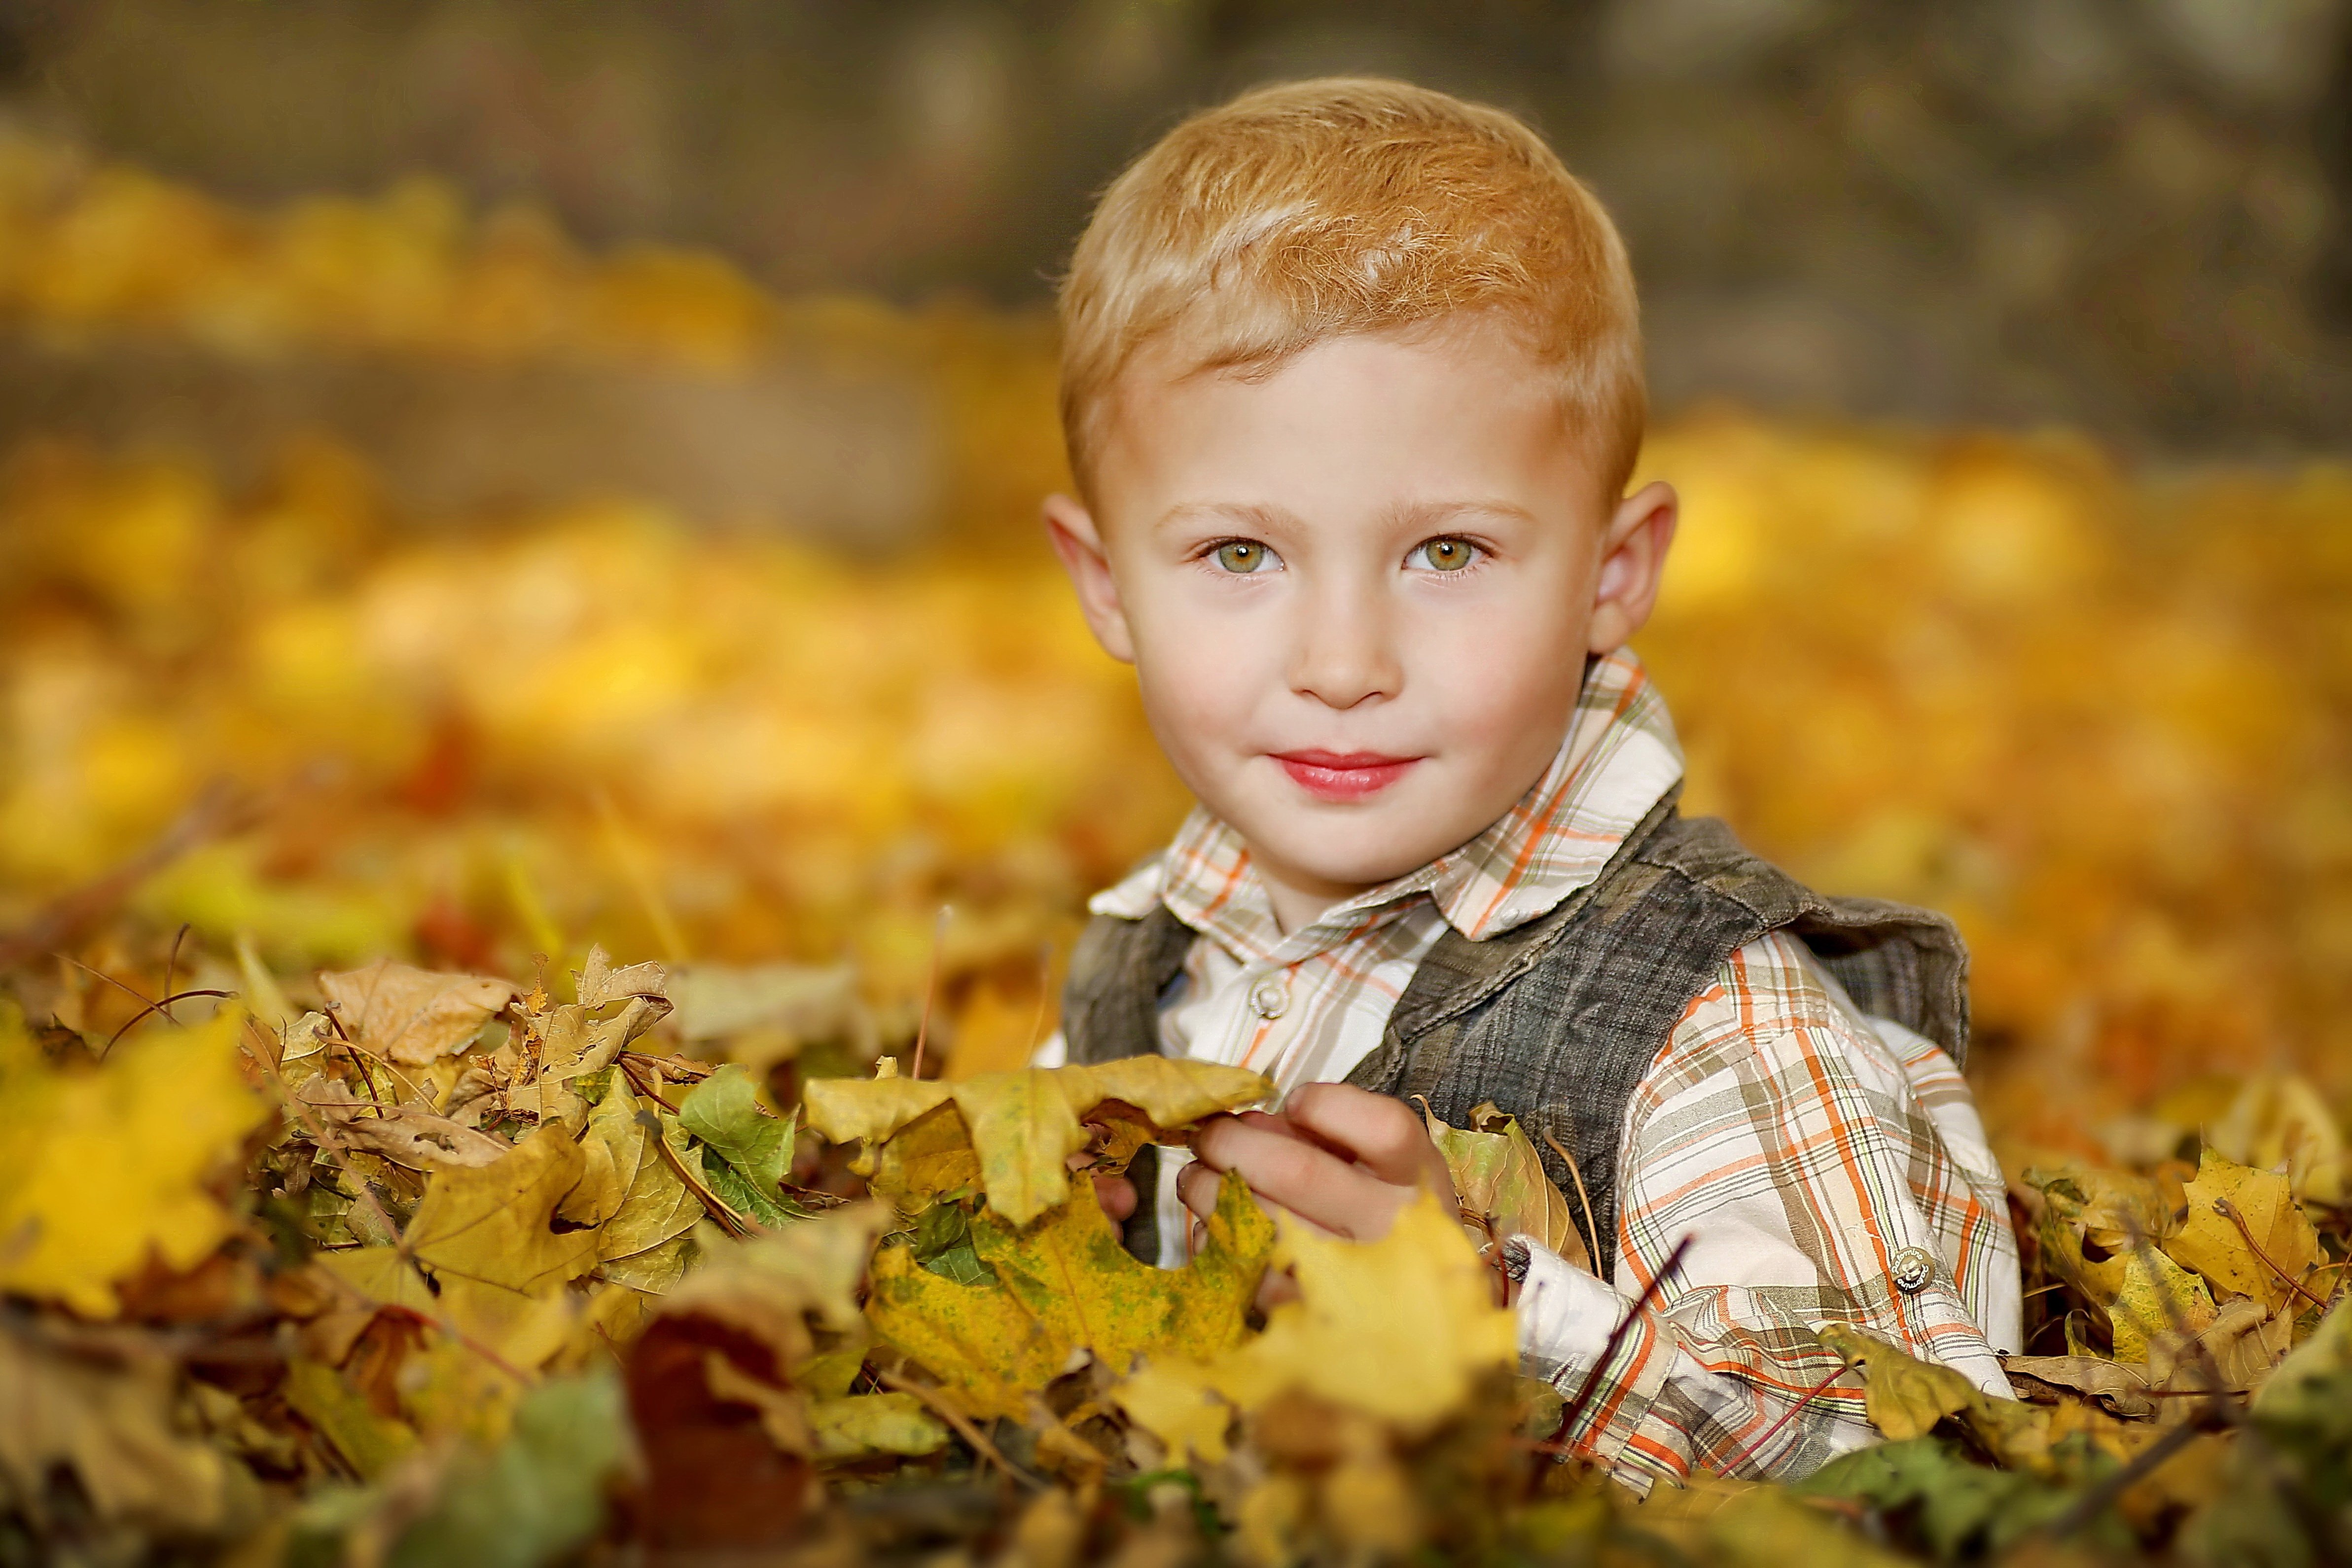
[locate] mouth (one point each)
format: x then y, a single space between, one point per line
1343 776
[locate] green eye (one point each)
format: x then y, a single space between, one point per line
1240 555
1448 555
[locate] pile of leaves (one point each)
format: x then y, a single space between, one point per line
443 1270
320 1241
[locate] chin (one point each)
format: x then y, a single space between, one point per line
1359 855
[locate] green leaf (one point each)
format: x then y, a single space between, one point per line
943 1245
1962 1509
540 1495
724 1111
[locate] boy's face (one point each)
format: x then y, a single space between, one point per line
1359 591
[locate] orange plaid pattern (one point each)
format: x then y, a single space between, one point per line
1825 1167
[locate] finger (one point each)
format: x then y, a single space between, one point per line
1196 1188
1116 1196
1383 1135
1298 1176
1274 1286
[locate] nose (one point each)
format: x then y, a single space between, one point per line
1343 651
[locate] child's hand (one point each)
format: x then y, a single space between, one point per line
1341 1158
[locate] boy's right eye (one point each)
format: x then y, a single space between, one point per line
1243 556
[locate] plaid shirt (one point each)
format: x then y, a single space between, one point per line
1808 1150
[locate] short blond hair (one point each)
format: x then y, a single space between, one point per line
1313 209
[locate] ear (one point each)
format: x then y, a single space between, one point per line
1080 544
1633 559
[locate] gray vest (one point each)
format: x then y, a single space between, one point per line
1556 1020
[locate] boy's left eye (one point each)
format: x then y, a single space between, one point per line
1443 555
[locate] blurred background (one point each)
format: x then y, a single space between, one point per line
483 478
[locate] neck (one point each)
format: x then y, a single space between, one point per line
1299 900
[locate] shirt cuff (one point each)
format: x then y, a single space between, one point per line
1566 1318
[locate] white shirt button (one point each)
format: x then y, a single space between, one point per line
1914 1267
1270 997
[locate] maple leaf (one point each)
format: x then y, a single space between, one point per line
2154 1297
753 1148
113 1427
2265 1259
574 1044
99 1168
640 1207
493 1224
1065 1284
407 1135
370 1443
1500 1178
411 1014
1400 1328
771 1285
1024 1126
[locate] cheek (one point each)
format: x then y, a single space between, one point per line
1501 682
1201 691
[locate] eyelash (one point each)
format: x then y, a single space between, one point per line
1480 554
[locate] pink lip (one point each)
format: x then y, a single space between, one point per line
1343 776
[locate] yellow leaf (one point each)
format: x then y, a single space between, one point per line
654 1208
413 1015
493 1224
1903 1398
930 1156
368 1442
113 1427
1172 1093
1400 1328
2155 1295
1065 1284
1172 1399
99 1168
865 1424
844 1108
1025 1131
1499 1177
980 1340
1024 1126
2210 1242
382 1276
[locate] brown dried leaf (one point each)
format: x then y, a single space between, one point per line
413 1015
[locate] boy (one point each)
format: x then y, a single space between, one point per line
1352 392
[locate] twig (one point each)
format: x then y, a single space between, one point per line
962 1424
1591 1384
1590 1226
930 989
1044 992
2098 1499
638 1084
171 963
1787 1416
2229 1211
734 1224
160 1005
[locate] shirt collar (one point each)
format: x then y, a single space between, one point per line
1618 759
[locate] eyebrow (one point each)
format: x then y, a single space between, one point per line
1247 514
1257 515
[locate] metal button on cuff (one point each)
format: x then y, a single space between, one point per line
1270 997
1914 1267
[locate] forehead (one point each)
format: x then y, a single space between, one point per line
1437 414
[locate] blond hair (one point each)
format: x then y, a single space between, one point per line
1313 209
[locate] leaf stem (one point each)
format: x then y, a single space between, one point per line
2229 1211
